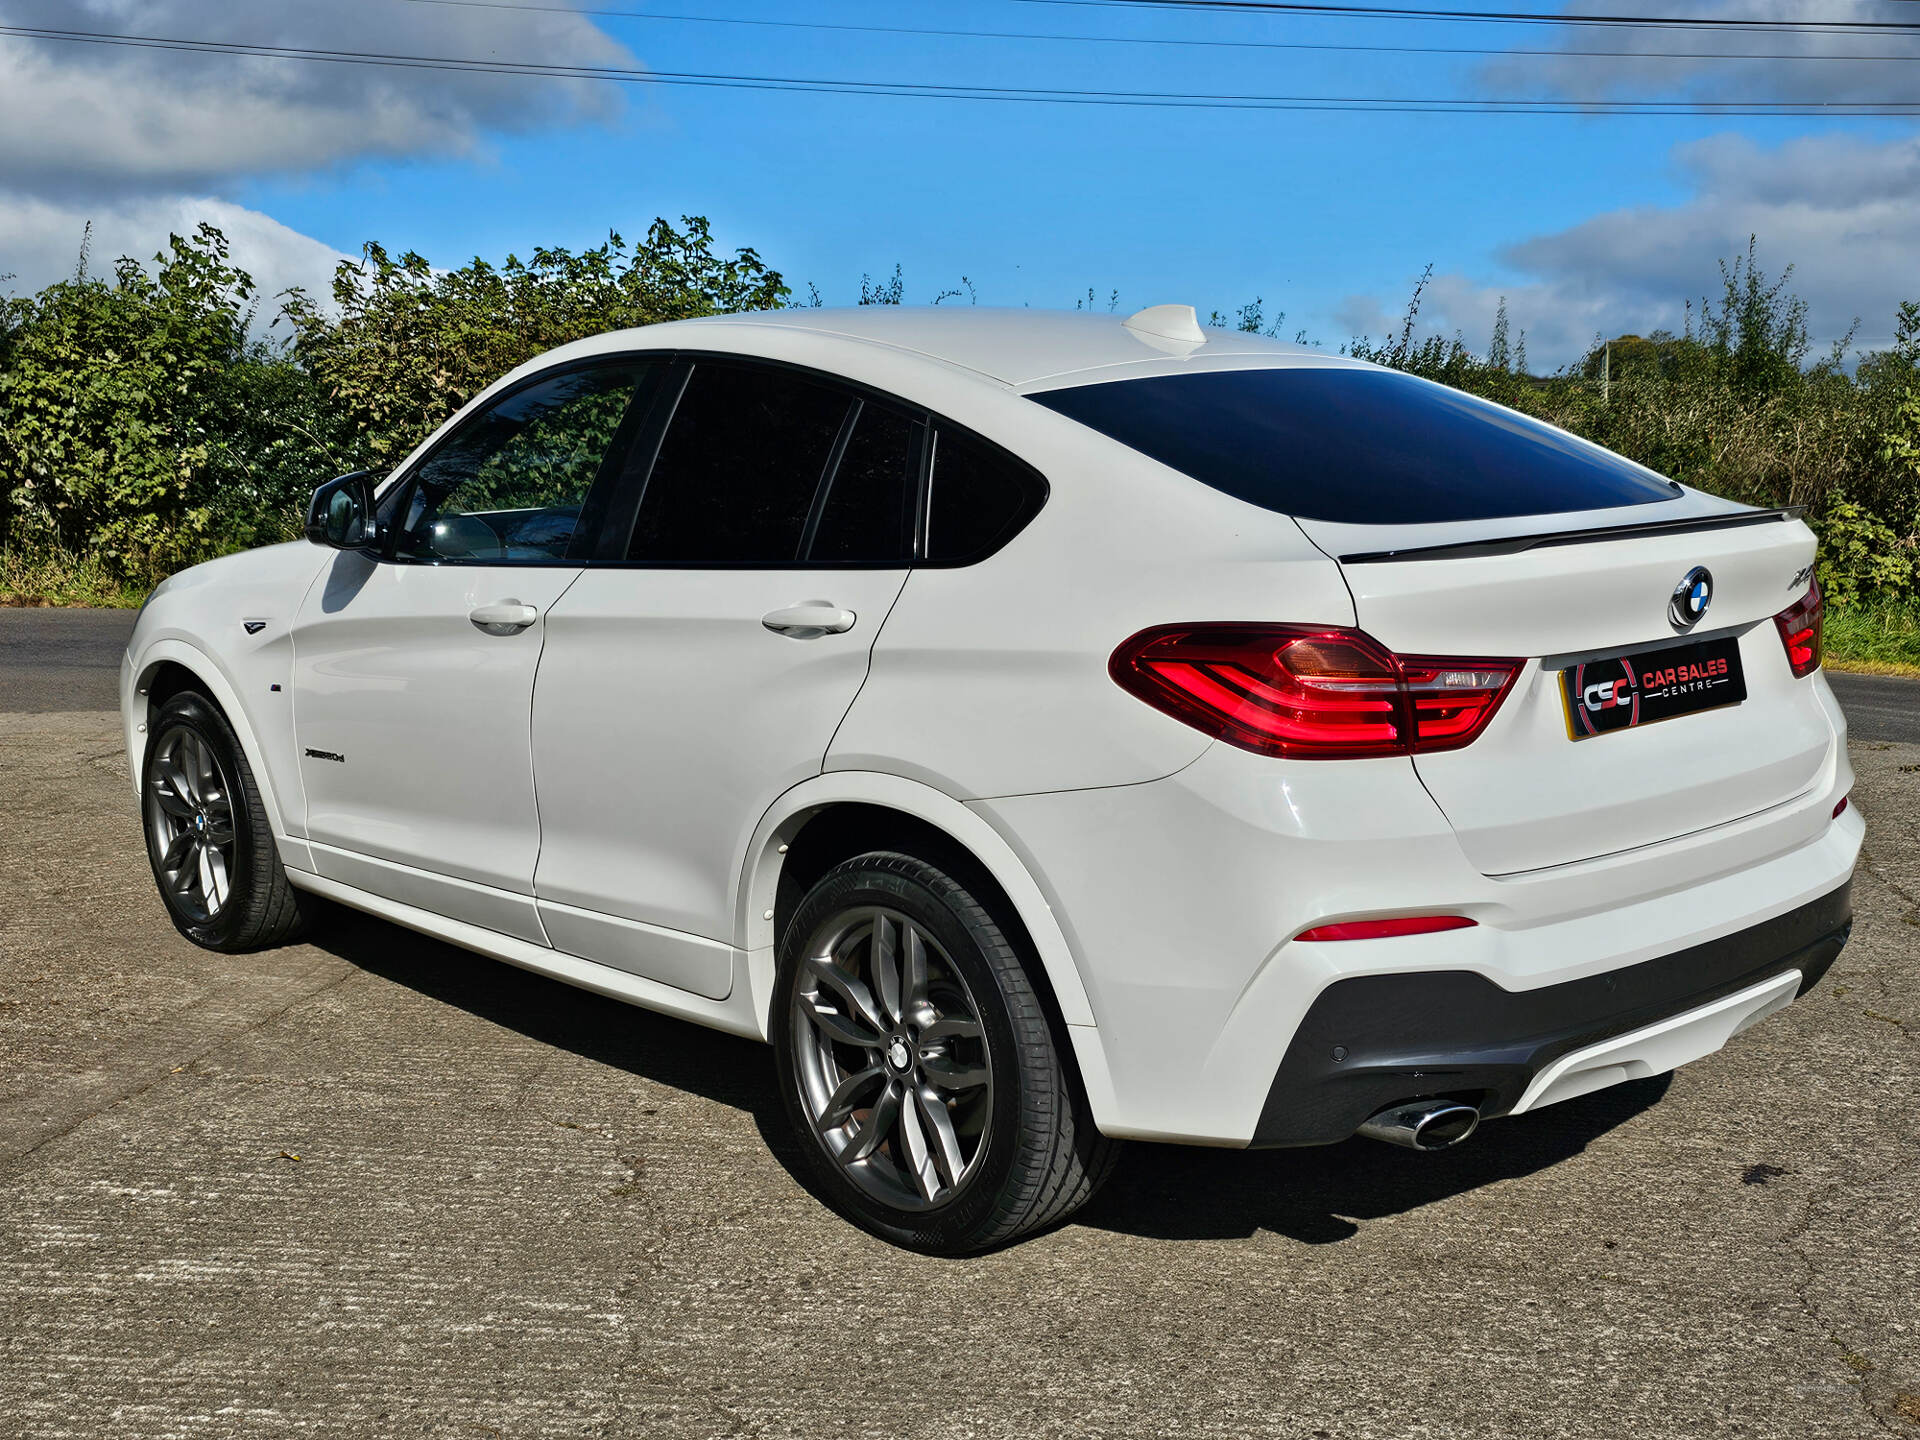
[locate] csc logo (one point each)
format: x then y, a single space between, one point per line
1607 694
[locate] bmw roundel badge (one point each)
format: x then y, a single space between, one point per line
1691 597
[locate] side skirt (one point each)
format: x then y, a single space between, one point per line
734 1015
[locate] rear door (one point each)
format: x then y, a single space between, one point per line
696 676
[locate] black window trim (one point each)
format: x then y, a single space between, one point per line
829 472
600 493
624 513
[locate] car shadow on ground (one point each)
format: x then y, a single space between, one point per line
1318 1194
708 1063
1173 1192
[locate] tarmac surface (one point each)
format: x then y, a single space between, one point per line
376 1186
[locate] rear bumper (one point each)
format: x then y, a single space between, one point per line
1179 898
1455 1033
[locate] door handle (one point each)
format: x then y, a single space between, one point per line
809 620
503 617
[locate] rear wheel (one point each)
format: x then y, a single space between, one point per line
918 1067
208 839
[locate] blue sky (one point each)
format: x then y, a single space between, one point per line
1586 223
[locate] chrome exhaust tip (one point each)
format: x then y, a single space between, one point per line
1423 1124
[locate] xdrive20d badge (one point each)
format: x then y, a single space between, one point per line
1044 730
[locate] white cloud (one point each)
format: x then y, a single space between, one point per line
1844 211
141 141
87 118
40 242
1706 64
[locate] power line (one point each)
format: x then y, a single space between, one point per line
1491 17
1142 40
1009 94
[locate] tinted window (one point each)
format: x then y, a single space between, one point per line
868 515
738 469
507 486
979 497
1362 447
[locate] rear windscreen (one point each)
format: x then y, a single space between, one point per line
1360 447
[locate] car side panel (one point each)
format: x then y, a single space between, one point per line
198 619
991 679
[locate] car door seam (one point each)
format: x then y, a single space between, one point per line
533 766
867 673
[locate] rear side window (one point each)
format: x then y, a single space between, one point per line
866 516
1359 447
738 468
978 498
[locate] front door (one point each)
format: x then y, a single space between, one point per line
684 688
413 670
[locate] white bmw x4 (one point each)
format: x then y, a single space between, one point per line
1044 729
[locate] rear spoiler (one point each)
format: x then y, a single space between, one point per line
1514 544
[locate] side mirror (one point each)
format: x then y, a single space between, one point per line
342 513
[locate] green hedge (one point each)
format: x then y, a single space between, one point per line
168 413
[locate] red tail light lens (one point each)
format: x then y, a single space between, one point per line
1800 626
1311 691
1375 929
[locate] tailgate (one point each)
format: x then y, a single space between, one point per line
1526 794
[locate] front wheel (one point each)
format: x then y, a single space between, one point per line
917 1065
208 839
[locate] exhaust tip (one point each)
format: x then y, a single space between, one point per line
1423 1124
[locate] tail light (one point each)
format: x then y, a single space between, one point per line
1800 626
1311 692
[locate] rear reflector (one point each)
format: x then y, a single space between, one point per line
1841 806
1800 625
1311 692
1376 929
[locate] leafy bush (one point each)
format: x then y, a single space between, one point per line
408 345
145 423
139 425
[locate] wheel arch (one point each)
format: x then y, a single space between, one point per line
842 813
171 665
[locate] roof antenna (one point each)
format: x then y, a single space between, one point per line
1178 323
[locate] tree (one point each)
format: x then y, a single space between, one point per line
138 421
410 345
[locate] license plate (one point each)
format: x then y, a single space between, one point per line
1632 690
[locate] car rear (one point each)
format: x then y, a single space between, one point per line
1562 805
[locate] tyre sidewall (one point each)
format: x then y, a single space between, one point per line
191 711
889 881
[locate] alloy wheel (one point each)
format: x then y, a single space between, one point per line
893 1067
189 813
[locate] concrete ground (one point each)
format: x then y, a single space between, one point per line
376 1186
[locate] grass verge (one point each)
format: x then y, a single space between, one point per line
1881 638
56 578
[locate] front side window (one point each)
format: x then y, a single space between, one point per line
1357 445
738 468
509 485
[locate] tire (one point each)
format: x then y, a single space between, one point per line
212 852
985 1137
